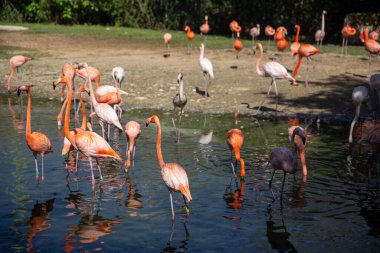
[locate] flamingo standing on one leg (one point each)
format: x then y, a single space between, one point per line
206 68
295 45
273 70
89 143
37 142
320 34
16 62
167 40
305 50
235 139
359 95
173 174
205 28
285 159
132 130
190 37
179 100
238 45
347 31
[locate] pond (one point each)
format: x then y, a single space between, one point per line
336 209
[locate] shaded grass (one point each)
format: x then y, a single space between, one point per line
154 38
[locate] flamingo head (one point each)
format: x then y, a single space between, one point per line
179 78
202 47
297 27
152 119
63 79
324 12
25 87
27 59
187 28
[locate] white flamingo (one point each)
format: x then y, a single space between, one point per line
359 95
320 34
206 68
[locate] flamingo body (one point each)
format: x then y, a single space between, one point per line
132 130
16 62
235 139
282 44
269 31
305 50
205 28
295 45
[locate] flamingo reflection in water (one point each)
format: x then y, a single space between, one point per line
183 245
133 199
234 197
17 120
39 221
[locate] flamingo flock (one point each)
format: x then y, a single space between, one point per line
106 102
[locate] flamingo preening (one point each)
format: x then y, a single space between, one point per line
92 145
305 50
132 131
235 28
206 68
173 174
16 62
359 95
235 139
179 100
320 34
347 32
37 142
271 69
285 159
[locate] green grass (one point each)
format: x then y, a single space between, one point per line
9 51
154 38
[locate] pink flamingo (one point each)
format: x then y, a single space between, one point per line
167 40
305 50
300 143
295 45
347 31
370 45
37 142
235 139
205 28
173 174
16 62
132 130
254 32
272 69
89 143
320 34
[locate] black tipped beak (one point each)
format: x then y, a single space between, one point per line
298 131
54 86
18 90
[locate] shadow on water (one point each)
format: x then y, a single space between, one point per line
183 243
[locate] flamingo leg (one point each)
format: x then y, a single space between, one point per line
42 165
282 188
270 87
179 123
271 179
187 209
233 169
173 115
133 155
76 161
35 161
10 78
100 171
108 136
92 174
171 203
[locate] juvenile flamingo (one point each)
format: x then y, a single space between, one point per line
132 131
347 31
37 142
16 62
285 159
179 100
320 34
89 143
173 174
190 36
167 40
206 68
273 70
305 50
205 28
359 95
235 139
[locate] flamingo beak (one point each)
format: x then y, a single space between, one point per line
18 90
147 122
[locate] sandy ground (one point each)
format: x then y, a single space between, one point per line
151 78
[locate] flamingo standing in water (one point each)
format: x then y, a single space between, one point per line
320 34
300 143
285 159
167 40
173 174
347 31
305 50
179 100
273 70
235 139
89 143
205 28
132 131
190 37
359 95
16 62
37 142
206 68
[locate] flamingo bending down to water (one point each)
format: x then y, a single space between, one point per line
347 31
273 70
206 68
89 143
235 139
167 40
16 62
37 142
235 28
205 28
320 34
359 95
285 159
173 174
305 50
132 131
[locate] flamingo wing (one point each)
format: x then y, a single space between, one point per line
39 143
206 66
175 178
276 70
107 114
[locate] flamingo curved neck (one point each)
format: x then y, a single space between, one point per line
201 56
181 96
84 120
92 96
323 22
66 127
298 33
28 115
298 65
158 145
357 113
258 70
